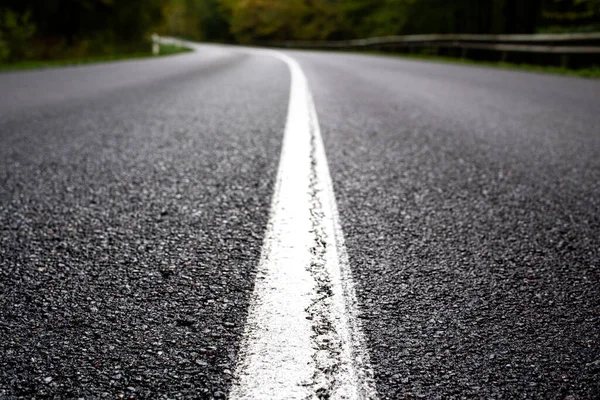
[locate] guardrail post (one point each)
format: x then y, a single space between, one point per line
504 56
155 44
564 60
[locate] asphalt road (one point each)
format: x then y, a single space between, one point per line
134 198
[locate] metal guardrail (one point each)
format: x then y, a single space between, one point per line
558 41
563 44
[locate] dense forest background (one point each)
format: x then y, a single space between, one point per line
32 29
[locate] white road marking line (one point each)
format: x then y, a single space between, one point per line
302 338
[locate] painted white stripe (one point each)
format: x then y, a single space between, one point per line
302 338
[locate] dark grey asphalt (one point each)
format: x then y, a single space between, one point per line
470 202
132 218
134 197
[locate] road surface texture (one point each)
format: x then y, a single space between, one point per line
135 196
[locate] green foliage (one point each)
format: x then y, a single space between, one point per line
195 19
15 30
4 49
291 19
253 20
570 15
52 29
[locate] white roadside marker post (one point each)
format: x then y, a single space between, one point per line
155 44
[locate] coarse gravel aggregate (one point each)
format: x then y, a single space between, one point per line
131 221
134 198
470 202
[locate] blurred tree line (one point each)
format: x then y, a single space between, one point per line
252 20
77 28
49 29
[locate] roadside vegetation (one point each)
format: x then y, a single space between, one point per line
165 50
71 31
66 32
